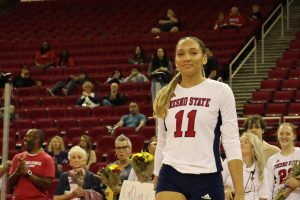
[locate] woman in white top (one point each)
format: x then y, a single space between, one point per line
279 165
254 171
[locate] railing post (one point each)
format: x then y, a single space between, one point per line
255 56
287 14
281 21
230 75
263 44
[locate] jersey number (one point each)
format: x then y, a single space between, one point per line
283 175
191 124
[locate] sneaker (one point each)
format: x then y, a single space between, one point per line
64 91
109 129
50 92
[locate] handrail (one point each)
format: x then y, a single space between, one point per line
264 33
231 75
288 4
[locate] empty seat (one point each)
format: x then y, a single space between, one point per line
254 109
58 112
294 109
147 132
36 113
106 143
276 109
80 112
88 122
283 96
292 119
261 96
66 123
294 74
101 111
270 84
290 84
280 73
44 123
50 101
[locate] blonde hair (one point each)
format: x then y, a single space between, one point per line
61 142
162 100
257 153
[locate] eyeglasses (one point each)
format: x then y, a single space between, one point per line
123 148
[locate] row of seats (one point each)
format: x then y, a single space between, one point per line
272 109
275 96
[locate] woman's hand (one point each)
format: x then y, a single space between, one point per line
228 193
78 192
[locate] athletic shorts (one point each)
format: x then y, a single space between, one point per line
192 186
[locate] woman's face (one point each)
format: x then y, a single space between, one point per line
189 58
55 143
123 150
286 136
160 53
83 142
138 50
77 160
117 74
87 87
246 147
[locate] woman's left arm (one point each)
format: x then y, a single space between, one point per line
92 159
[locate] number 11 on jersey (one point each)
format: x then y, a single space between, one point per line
191 124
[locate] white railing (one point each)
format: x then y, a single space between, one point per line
288 4
251 41
265 32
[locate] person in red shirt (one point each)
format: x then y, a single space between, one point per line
33 170
235 19
45 57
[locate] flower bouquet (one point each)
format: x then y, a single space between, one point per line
284 192
77 177
143 165
110 175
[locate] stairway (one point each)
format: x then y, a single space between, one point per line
245 82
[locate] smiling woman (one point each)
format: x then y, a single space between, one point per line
187 159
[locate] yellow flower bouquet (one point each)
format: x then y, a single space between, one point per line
284 192
143 165
110 175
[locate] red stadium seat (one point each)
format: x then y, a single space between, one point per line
276 109
254 109
280 73
290 84
294 109
261 96
283 96
270 84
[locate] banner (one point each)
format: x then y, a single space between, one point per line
137 191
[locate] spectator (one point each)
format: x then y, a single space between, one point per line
160 70
45 57
139 56
254 171
134 119
88 98
65 60
116 77
56 149
68 86
212 65
123 148
24 79
136 76
256 14
170 23
150 147
255 124
114 98
235 19
78 183
12 111
220 22
87 144
280 165
33 170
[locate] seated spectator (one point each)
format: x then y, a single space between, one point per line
24 79
160 70
12 111
139 56
114 98
88 98
212 65
255 15
136 76
68 86
78 183
220 22
87 144
116 77
134 119
169 23
65 60
235 19
45 57
56 149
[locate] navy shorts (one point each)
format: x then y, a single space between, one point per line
192 186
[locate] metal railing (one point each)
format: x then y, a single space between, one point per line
251 41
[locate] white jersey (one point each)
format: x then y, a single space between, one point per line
278 167
254 189
189 136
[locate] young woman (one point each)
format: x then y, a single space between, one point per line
86 143
192 112
279 165
56 149
160 69
254 171
139 56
